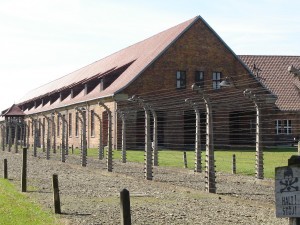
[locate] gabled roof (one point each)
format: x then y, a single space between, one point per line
273 72
134 60
140 55
14 110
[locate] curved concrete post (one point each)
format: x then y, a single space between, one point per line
64 136
82 112
210 156
259 165
198 166
210 176
154 142
100 146
148 147
48 141
109 158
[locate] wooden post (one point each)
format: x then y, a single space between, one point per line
233 164
56 198
24 171
125 207
185 159
5 169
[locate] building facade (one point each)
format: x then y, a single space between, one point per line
160 72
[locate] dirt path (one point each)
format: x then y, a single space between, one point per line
90 195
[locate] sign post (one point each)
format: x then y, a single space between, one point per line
287 190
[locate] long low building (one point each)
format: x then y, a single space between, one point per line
157 75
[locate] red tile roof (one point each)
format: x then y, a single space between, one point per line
140 54
14 110
273 73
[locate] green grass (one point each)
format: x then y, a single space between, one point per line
245 159
17 209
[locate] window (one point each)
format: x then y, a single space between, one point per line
216 80
76 125
58 126
199 78
287 128
70 124
92 123
32 128
39 129
283 126
28 125
101 84
63 124
44 124
180 79
53 126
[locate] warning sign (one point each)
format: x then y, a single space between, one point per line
287 191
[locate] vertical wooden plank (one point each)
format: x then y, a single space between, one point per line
233 164
56 197
125 207
185 160
24 171
5 169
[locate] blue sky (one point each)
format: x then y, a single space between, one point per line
42 40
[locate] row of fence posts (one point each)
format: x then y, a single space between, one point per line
233 162
124 194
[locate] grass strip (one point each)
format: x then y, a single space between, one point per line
17 209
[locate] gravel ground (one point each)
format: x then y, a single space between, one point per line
90 195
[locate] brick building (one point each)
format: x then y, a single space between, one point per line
160 71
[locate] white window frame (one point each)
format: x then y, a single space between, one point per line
283 127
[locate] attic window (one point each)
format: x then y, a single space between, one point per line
101 84
85 89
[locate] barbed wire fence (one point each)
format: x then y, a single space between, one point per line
239 118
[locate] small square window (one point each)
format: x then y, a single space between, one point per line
180 79
283 127
199 78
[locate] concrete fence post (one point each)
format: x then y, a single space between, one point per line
124 154
100 146
16 137
82 112
198 166
9 137
155 141
109 154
